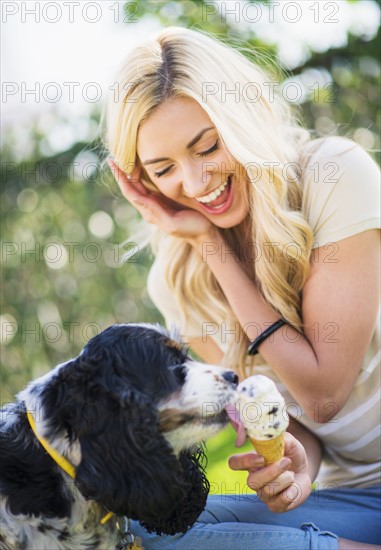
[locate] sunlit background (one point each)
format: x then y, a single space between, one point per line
63 272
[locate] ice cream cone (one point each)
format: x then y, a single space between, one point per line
262 416
272 450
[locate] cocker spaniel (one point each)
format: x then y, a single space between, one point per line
129 416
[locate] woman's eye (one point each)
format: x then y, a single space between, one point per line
202 154
211 150
159 174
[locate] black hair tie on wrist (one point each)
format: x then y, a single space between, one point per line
253 347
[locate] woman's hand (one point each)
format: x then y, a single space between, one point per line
283 485
155 208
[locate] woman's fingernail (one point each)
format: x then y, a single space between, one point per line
292 492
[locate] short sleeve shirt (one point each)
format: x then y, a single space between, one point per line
341 198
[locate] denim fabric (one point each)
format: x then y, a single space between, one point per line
243 522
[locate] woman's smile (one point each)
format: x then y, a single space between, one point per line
220 200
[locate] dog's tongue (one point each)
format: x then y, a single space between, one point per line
235 421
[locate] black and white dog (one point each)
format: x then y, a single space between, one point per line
130 413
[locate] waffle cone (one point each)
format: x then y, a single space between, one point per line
272 450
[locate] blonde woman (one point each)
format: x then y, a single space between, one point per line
263 237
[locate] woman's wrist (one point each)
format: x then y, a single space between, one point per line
206 242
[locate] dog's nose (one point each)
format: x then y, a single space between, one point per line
231 377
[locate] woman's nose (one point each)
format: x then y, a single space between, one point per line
196 182
195 188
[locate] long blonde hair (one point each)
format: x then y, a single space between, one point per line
262 134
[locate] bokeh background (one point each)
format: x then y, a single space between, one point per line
65 226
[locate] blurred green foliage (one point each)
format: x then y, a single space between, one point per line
64 274
63 219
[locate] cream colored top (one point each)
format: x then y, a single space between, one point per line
341 198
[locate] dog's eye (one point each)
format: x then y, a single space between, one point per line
180 373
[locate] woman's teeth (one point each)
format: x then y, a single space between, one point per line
214 194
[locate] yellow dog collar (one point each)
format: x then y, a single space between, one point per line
58 458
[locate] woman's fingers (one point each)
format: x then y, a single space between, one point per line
134 191
130 186
155 208
150 205
246 461
294 495
271 480
283 485
251 460
267 491
280 494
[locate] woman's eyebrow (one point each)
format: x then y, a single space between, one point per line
190 144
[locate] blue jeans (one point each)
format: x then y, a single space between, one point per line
243 522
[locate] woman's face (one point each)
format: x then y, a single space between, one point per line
180 150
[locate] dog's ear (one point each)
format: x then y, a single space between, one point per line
192 504
128 467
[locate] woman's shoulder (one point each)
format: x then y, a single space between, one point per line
341 188
332 147
332 159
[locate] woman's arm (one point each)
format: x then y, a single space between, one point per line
207 350
339 307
